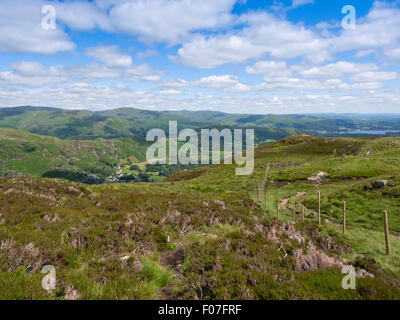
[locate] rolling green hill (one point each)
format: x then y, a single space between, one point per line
130 122
76 160
68 124
203 234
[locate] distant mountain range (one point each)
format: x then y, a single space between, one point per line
129 122
89 146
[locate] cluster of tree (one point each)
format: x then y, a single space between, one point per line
166 170
141 177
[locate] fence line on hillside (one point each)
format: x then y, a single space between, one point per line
264 186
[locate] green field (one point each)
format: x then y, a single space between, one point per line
202 234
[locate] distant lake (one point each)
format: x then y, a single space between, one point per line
371 132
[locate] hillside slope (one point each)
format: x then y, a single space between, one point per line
77 160
204 235
68 124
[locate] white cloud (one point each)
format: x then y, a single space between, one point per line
28 68
303 85
239 87
100 97
226 82
21 29
374 76
169 20
393 53
364 53
264 34
380 29
33 74
266 66
283 75
281 9
336 69
180 22
12 78
203 96
147 53
299 3
207 35
217 82
170 92
110 55
94 72
142 72
368 85
217 50
175 83
79 15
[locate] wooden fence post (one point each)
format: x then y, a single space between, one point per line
387 236
319 208
344 217
294 211
264 183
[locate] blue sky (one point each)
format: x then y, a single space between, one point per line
281 56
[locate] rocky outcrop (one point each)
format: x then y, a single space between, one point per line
318 177
376 185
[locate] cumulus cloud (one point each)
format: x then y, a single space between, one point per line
28 68
303 85
100 97
226 82
368 85
336 69
110 55
393 53
147 53
299 3
180 22
33 74
21 29
217 81
79 15
374 76
264 34
170 92
167 20
174 83
266 66
379 29
202 96
207 34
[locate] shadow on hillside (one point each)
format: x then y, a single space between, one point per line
73 176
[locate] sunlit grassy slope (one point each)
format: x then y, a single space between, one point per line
31 154
202 234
